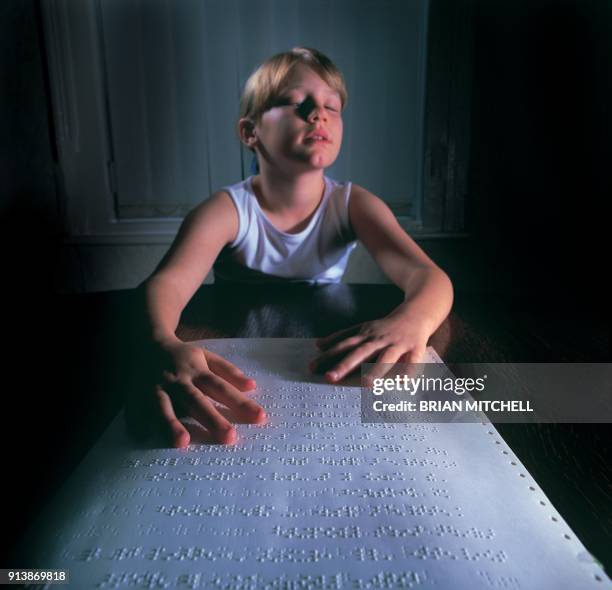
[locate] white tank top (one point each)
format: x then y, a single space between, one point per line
262 253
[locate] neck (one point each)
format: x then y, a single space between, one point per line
281 193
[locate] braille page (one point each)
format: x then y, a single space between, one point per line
313 500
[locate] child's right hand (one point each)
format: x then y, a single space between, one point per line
182 380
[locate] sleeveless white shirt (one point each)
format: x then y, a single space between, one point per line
262 253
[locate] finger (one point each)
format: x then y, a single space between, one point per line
384 363
225 393
352 361
416 355
230 372
177 432
326 359
169 377
411 361
327 341
205 412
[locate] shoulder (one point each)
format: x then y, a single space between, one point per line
206 229
219 203
217 215
360 195
366 207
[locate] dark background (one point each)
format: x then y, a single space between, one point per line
536 212
540 156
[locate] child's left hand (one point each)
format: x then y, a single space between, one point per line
392 339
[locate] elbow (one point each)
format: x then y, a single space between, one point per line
447 281
442 292
444 287
144 288
147 289
451 290
151 281
442 277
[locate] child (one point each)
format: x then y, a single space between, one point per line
288 222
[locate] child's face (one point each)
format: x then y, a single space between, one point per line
304 129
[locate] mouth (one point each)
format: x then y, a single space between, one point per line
317 137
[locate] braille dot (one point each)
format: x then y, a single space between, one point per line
532 488
567 536
554 518
598 578
522 474
543 503
512 462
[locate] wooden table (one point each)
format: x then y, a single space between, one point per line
571 462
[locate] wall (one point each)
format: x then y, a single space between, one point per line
39 260
537 182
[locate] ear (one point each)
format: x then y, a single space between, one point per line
248 134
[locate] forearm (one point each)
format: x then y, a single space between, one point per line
164 305
428 297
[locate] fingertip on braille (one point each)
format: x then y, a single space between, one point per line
233 438
181 440
331 376
261 417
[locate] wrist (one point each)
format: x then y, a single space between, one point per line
407 313
165 339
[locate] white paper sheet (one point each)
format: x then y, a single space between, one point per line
315 499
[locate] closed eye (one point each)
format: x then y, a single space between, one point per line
287 102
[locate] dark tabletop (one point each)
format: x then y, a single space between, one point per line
87 368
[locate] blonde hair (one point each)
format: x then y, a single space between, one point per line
265 84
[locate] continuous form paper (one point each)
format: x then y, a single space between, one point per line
315 499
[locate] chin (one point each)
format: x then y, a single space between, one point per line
317 161
321 161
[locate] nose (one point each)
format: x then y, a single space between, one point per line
316 113
313 110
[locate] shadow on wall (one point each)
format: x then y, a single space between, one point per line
539 153
29 213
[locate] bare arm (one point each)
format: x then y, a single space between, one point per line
428 290
203 233
403 334
185 377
